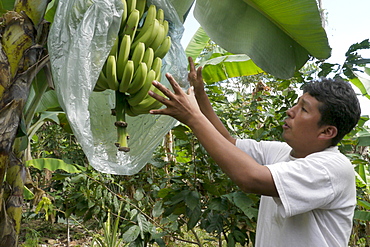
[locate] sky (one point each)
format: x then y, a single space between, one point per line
348 22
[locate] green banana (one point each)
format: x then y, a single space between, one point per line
102 82
124 16
164 48
157 67
98 89
131 5
148 57
166 27
134 111
128 74
147 104
129 112
160 15
123 54
159 38
149 36
112 73
136 98
139 79
132 23
148 22
141 6
114 48
138 54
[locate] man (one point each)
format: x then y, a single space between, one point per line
307 186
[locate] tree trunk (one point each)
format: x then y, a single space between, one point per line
23 35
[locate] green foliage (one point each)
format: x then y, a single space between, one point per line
32 238
6 5
44 205
110 237
356 147
53 142
356 144
52 165
355 68
182 196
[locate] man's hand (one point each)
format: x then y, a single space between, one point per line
180 105
195 78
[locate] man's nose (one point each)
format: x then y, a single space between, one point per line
290 112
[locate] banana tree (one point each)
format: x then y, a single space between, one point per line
23 33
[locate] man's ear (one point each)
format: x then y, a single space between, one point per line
328 132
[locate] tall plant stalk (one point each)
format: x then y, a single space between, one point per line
23 35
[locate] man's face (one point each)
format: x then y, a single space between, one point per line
301 129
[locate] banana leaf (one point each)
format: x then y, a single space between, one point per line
363 84
219 67
182 8
360 81
279 36
52 165
229 66
197 43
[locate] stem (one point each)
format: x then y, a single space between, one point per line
39 92
120 123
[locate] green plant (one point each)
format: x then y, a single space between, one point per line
111 234
32 238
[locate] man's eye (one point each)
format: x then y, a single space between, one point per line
304 109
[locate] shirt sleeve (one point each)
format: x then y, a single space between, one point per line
264 152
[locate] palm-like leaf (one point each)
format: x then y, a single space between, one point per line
278 35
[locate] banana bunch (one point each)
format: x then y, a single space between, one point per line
134 61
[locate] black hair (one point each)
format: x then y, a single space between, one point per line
339 104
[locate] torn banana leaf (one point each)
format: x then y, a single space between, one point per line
197 43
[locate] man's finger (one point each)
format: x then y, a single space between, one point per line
192 73
199 74
158 97
191 64
163 89
175 86
163 111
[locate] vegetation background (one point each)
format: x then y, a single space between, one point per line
181 197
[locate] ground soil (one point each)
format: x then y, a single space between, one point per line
43 233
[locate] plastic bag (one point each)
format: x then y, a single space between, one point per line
79 42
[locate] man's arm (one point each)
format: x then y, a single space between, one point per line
196 80
250 176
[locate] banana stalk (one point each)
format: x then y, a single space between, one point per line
121 123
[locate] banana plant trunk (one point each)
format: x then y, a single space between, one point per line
23 35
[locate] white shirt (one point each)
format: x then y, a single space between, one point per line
317 197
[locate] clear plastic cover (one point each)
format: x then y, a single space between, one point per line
80 39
